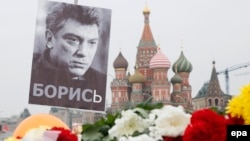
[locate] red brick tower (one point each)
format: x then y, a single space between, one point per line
182 67
145 51
160 87
120 85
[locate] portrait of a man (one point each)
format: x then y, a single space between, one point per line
69 66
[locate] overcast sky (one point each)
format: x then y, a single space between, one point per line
207 29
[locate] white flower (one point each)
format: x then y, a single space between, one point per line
77 129
35 134
170 121
128 124
142 137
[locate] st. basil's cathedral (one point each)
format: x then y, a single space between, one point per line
150 77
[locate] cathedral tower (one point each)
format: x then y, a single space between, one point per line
137 80
120 85
182 67
160 86
145 51
211 95
215 96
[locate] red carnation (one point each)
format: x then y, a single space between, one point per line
65 134
234 120
165 138
206 125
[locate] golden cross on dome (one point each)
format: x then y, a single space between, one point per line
181 43
158 46
146 9
120 44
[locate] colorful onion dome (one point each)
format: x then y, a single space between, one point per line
176 79
182 64
137 77
159 60
120 62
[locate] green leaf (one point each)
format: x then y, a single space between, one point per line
220 112
98 130
148 105
104 129
86 127
110 119
143 113
136 133
91 134
108 138
146 102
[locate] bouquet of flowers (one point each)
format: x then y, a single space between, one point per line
146 121
156 122
153 122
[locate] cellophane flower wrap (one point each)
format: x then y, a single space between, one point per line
44 133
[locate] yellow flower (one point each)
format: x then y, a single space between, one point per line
235 107
239 106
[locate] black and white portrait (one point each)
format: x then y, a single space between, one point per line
69 67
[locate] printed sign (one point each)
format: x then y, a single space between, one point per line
69 67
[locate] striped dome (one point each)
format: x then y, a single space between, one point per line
159 60
182 64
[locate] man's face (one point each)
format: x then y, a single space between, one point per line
74 47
